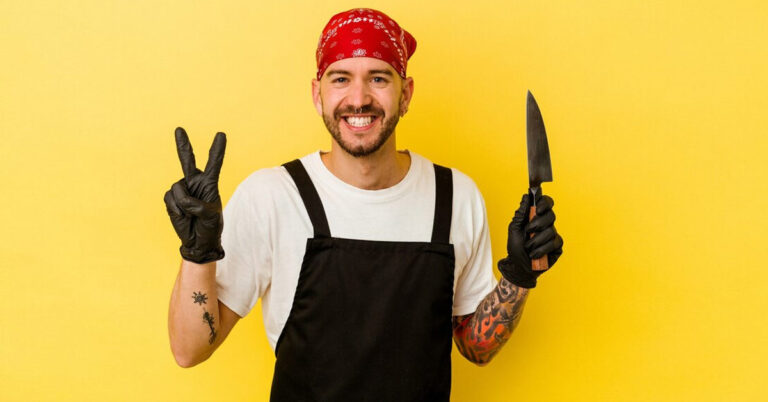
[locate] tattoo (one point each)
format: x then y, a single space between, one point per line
208 319
200 298
481 335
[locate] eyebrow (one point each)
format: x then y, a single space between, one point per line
345 72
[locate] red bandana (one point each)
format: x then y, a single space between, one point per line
364 32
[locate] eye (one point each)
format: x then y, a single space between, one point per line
337 79
380 79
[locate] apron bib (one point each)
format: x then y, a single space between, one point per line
371 320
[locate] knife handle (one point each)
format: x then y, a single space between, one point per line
541 263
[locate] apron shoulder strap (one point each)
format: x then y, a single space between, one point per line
441 228
310 197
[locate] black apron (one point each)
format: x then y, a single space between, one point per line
371 320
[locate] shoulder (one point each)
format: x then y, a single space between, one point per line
463 185
465 190
275 179
468 202
264 186
466 194
264 179
461 181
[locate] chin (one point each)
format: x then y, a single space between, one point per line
358 149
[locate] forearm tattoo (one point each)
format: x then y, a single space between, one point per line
201 298
208 318
481 335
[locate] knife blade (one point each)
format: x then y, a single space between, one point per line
539 164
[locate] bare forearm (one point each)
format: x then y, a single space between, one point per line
481 335
193 316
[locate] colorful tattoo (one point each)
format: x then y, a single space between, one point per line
481 335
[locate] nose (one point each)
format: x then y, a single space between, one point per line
359 94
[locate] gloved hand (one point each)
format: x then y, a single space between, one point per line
516 267
194 204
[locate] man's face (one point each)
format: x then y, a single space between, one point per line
361 100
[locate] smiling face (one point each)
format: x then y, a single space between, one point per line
361 100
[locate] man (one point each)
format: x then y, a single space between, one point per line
369 261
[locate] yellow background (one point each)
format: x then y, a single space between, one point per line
656 115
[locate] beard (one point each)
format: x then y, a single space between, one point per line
387 128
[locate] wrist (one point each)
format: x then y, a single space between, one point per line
201 257
517 275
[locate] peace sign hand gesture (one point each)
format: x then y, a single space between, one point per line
193 203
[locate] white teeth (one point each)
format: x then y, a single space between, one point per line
359 121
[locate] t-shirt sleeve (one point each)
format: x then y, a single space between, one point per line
244 273
476 279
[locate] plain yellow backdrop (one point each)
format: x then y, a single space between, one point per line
656 118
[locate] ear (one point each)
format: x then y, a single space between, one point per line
407 94
316 96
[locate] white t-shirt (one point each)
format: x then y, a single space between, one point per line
266 227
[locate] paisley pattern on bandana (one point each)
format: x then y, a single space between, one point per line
351 38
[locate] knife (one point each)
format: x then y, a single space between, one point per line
539 165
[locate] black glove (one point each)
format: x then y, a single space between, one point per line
193 203
516 267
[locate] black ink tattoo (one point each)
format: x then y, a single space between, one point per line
200 298
208 319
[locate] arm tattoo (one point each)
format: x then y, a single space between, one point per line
201 298
208 318
479 336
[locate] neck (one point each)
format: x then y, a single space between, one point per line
381 169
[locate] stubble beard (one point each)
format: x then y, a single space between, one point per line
387 128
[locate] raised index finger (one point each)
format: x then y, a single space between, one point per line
186 156
216 155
